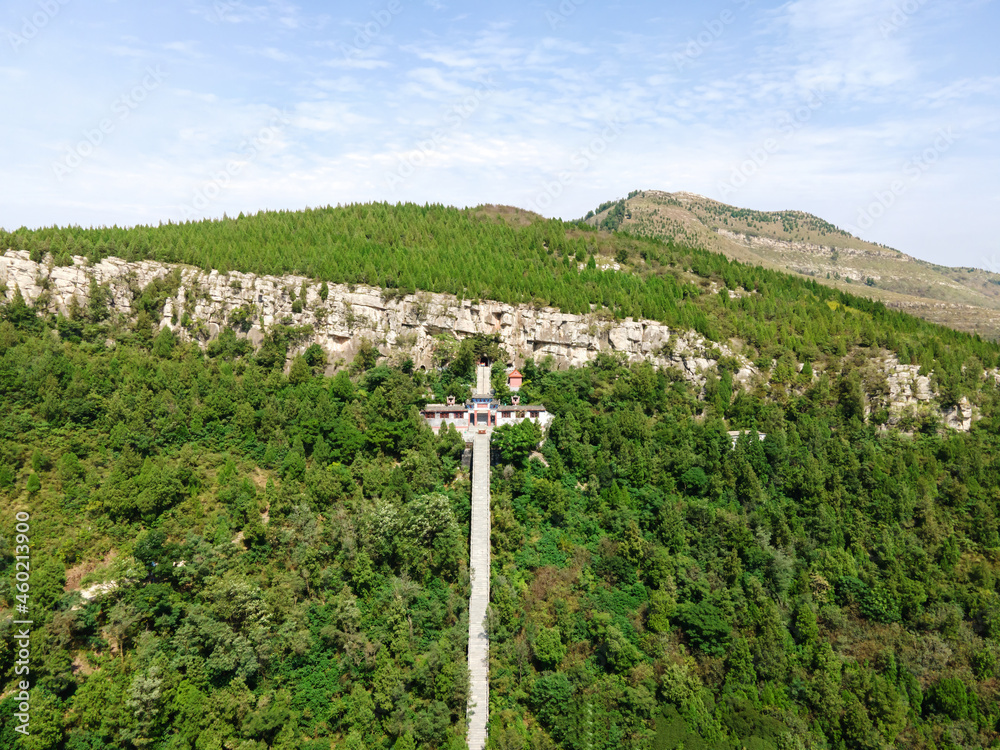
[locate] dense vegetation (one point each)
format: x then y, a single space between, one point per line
289 551
829 586
519 258
289 558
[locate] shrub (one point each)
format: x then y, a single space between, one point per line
548 647
704 626
948 697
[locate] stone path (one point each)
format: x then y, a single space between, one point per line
479 566
483 380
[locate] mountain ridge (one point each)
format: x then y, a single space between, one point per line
751 549
800 243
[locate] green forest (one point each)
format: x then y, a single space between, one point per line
280 556
519 258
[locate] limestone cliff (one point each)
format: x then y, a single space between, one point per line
403 325
397 324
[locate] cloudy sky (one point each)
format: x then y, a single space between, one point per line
881 116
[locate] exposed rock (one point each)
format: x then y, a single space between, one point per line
756 241
395 324
906 386
406 325
910 391
98 589
960 417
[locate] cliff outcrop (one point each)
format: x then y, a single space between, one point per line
341 317
205 303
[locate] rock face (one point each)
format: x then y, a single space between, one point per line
909 390
206 303
808 247
404 326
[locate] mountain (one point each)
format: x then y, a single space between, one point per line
199 305
764 514
797 242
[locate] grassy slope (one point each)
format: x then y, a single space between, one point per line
793 241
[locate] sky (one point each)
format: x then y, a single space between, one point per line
880 116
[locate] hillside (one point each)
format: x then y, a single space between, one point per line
197 306
515 257
242 534
964 298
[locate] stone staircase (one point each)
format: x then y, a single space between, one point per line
479 566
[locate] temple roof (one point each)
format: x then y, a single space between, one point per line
464 407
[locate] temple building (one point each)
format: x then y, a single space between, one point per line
483 411
734 435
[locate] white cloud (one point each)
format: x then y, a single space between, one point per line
962 89
358 58
359 106
122 50
838 45
268 53
328 117
188 49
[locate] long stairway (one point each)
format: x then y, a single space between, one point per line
483 386
479 566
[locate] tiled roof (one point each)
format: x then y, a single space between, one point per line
463 407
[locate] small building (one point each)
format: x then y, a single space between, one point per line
734 435
517 412
483 412
514 380
438 415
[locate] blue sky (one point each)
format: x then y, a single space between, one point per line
881 116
